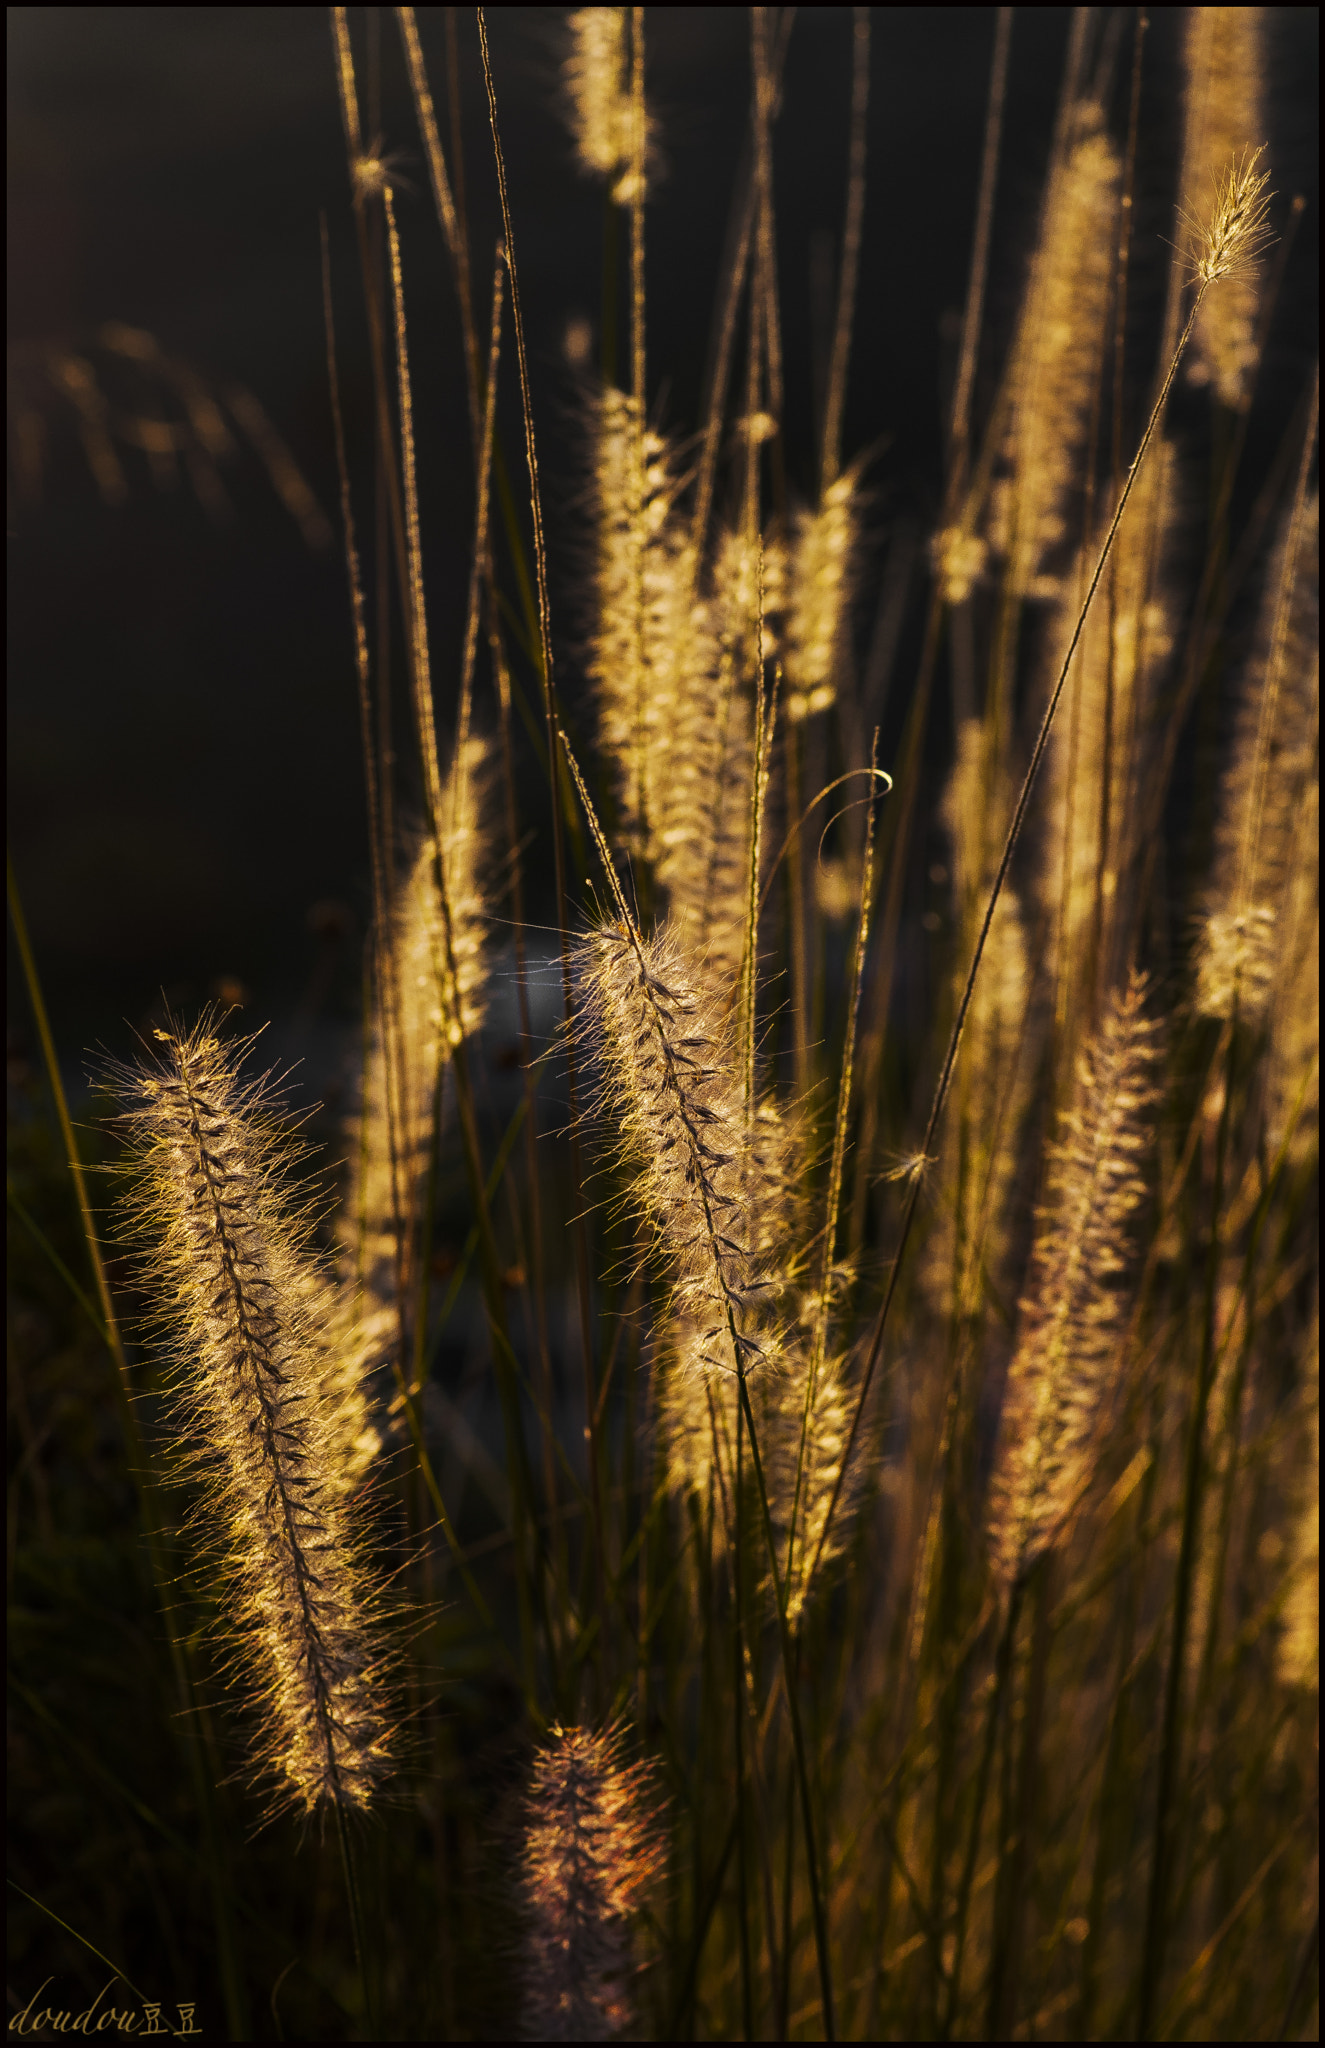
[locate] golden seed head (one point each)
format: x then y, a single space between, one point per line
1057 355
1235 229
596 74
822 560
247 1311
960 558
1064 1371
591 1845
1272 772
1224 61
670 1093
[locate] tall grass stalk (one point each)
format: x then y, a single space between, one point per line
774 1489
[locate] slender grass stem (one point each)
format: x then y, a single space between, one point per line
993 1715
192 1708
559 862
361 1953
738 1728
1015 1853
1161 1854
1014 832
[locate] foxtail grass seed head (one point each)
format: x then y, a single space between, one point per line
960 560
1272 769
1066 1364
1225 93
822 560
670 1094
673 699
641 584
466 863
1057 354
227 1254
1236 229
597 80
697 1424
803 1454
750 575
591 1846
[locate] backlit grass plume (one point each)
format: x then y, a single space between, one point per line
642 595
803 1452
671 1092
1058 350
597 80
750 594
670 672
590 1846
1272 767
1067 1359
1224 60
227 1255
697 1417
822 561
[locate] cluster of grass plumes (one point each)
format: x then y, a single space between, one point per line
825 1272
247 1319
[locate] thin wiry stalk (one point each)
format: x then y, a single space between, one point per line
725 1292
993 1716
975 287
765 728
1161 1854
764 303
895 851
554 742
1232 234
819 1344
139 1464
741 242
452 228
481 560
831 457
638 139
453 949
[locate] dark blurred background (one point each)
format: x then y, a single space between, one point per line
186 794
